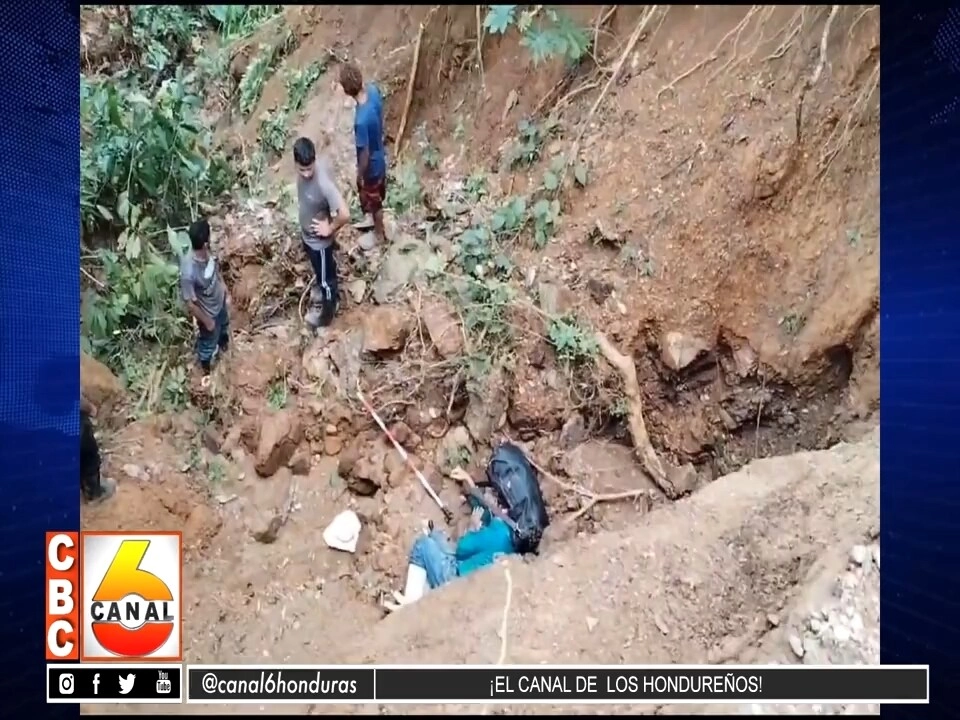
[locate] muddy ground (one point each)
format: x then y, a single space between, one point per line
727 241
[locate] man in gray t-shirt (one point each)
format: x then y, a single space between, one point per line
322 213
205 295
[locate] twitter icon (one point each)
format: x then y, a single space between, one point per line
126 683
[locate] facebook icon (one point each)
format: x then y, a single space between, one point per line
96 683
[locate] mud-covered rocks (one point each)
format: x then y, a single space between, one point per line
280 434
443 327
402 433
98 385
487 408
367 476
537 401
404 261
455 448
679 350
345 354
385 329
573 432
332 444
301 462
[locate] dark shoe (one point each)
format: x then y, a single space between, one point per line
108 489
327 313
312 318
205 366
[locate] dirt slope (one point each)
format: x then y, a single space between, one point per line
698 581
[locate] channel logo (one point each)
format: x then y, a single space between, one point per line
114 596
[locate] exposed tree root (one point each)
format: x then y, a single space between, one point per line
638 428
713 56
592 498
753 41
815 76
839 138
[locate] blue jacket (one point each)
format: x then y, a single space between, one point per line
479 548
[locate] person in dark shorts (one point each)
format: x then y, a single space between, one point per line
322 213
92 487
205 295
371 156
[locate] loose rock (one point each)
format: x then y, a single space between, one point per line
858 554
280 434
97 384
679 350
487 407
796 645
332 444
573 432
555 300
367 476
402 433
300 462
443 327
455 447
385 329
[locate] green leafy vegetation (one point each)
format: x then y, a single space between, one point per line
546 32
300 81
526 149
570 341
148 161
404 191
240 21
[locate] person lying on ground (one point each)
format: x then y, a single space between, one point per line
205 295
368 134
92 487
435 561
322 213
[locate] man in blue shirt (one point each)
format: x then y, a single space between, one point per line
368 132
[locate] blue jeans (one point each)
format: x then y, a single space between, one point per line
435 554
209 341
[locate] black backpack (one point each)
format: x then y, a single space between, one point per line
517 486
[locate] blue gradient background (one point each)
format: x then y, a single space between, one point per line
920 337
920 348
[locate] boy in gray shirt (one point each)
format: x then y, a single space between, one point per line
205 295
322 213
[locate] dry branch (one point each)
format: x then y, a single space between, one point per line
592 498
411 80
483 82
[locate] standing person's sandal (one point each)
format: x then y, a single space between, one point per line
365 223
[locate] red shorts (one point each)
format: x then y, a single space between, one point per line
372 195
